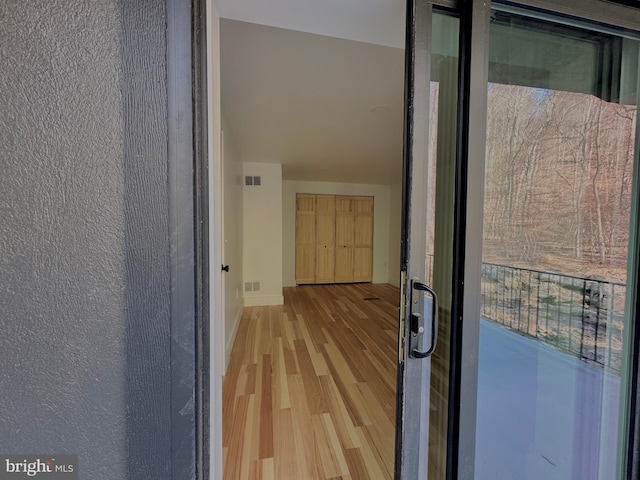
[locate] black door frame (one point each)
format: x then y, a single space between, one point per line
188 195
475 18
473 77
201 243
193 204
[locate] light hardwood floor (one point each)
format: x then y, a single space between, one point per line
310 389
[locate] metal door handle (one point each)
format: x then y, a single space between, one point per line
417 320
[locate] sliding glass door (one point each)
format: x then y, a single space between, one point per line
559 168
430 174
521 218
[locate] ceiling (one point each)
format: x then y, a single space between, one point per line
327 105
380 22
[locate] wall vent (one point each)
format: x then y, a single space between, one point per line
257 181
248 180
256 286
248 287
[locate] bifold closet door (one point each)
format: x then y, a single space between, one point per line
344 239
334 239
363 239
305 238
325 238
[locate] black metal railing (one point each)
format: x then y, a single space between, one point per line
578 315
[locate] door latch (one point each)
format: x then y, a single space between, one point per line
424 302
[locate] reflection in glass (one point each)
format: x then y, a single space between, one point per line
558 187
440 215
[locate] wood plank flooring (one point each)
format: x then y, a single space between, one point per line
310 389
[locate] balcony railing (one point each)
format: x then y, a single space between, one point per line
578 315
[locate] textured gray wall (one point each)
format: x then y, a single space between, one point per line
84 256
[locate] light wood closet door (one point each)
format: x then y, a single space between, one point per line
344 239
363 239
325 238
305 238
334 239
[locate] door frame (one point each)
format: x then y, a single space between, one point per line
413 232
468 223
474 41
474 16
201 146
212 221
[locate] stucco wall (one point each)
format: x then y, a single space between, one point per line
84 255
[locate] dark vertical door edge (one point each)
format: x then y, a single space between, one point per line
182 237
201 245
406 182
166 257
409 396
457 287
467 249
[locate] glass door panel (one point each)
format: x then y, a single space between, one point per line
440 224
430 172
560 154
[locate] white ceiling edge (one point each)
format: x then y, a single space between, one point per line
325 108
381 22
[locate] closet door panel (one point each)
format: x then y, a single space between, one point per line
325 238
305 264
325 264
344 204
325 220
305 229
363 264
344 229
334 239
344 239
305 203
305 238
326 204
325 229
344 264
363 239
363 230
363 205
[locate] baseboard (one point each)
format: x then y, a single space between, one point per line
263 301
231 340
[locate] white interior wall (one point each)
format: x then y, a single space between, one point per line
232 187
262 235
395 226
380 222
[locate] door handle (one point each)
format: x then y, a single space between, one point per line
225 268
417 319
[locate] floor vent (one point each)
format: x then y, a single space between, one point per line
371 298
